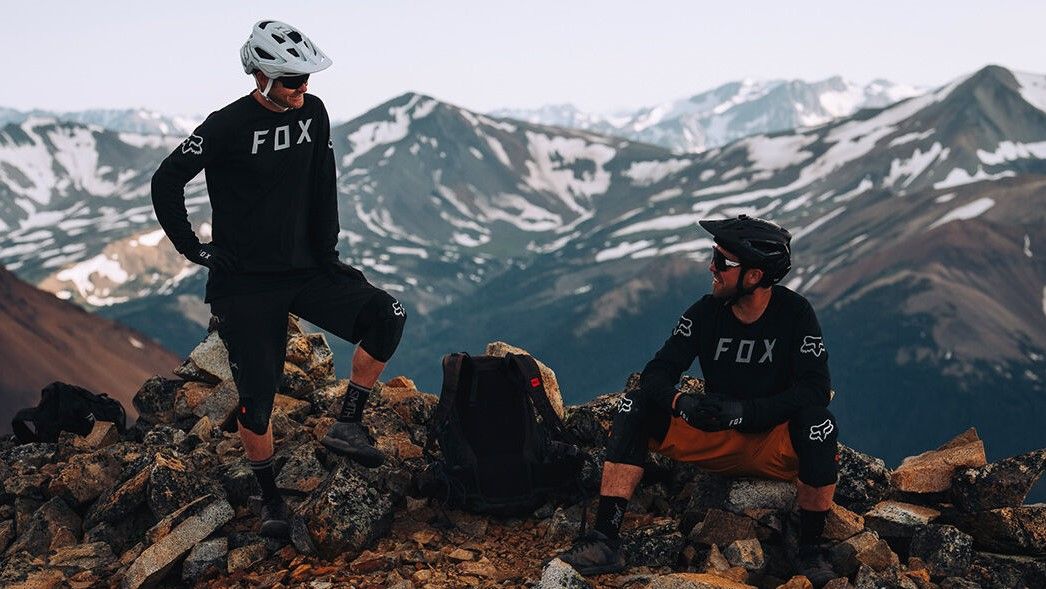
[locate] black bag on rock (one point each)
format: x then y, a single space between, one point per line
69 408
504 449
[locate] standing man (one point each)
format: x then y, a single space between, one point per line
271 179
764 412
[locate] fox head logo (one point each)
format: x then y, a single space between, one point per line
397 309
684 327
626 405
193 144
812 345
820 431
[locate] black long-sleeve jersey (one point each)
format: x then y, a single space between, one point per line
774 366
272 185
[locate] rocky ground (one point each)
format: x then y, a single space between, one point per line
173 503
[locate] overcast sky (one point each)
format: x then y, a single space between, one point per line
183 56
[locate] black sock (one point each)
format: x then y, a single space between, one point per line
811 526
353 403
609 515
266 476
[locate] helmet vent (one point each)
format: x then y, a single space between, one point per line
262 25
263 53
294 36
279 39
293 51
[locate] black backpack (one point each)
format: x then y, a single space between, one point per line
504 449
66 407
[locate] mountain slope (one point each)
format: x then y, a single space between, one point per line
45 339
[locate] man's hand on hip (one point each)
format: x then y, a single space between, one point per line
710 413
213 257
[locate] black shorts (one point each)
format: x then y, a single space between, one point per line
253 327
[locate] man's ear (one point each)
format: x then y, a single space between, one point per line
753 277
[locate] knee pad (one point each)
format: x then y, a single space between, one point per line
380 324
255 411
635 423
814 436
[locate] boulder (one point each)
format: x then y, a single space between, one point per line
346 513
747 554
696 581
548 377
723 528
946 551
302 472
173 485
842 523
1009 530
119 501
208 362
26 458
654 545
216 402
863 480
1007 571
748 494
102 434
296 409
244 557
173 537
895 519
931 472
864 548
83 557
53 526
560 575
84 477
155 400
239 483
1001 484
206 559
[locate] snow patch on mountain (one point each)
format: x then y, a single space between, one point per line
621 250
959 176
518 211
967 211
81 275
776 153
1009 151
914 166
371 135
665 223
552 163
652 172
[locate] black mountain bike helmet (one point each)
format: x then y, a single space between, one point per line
757 242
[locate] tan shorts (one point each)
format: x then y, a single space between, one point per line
767 455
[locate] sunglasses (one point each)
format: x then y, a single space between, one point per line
293 82
720 263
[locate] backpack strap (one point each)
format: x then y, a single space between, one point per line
452 366
22 431
533 386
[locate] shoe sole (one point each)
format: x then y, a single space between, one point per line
351 453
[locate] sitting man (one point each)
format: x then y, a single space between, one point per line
764 414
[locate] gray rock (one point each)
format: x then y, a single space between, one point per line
1000 484
217 402
654 545
85 476
760 494
210 359
173 537
27 485
53 526
723 528
28 457
747 554
1003 571
894 519
863 480
302 472
239 483
205 559
946 551
119 501
245 557
163 436
346 513
560 575
172 484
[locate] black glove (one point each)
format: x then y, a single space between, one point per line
213 257
334 265
710 413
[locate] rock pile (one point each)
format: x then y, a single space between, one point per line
174 503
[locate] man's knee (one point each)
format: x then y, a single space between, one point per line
631 430
814 436
382 320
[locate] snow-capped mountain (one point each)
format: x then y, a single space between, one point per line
129 120
925 216
729 112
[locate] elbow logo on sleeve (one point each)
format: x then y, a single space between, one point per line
683 329
812 345
820 431
193 144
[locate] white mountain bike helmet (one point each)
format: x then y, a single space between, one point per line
278 49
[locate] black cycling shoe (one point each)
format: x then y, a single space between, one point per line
594 554
350 439
814 566
275 519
